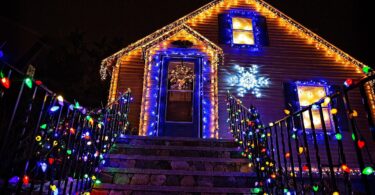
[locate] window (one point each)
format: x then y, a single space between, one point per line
180 92
243 31
308 95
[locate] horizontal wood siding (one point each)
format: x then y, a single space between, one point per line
131 76
289 57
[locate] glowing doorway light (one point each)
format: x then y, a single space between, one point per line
247 80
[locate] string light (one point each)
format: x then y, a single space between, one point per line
338 136
54 108
5 82
368 171
29 82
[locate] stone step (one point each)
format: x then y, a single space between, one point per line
177 163
180 151
106 189
176 177
176 141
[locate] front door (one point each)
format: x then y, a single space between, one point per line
179 108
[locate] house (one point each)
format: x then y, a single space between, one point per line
181 73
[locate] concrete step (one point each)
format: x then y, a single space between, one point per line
180 151
176 177
176 141
106 189
177 163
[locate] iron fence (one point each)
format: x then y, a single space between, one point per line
292 155
49 145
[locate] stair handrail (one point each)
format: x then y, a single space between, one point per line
52 145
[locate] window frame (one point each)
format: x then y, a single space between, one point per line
328 107
226 29
242 30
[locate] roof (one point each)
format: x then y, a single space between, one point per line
110 61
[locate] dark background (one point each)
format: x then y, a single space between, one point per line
66 40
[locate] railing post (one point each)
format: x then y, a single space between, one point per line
355 140
328 150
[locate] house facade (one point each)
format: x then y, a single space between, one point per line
180 74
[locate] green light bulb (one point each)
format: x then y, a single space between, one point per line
368 171
29 82
256 190
366 69
44 126
338 136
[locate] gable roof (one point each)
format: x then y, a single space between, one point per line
110 61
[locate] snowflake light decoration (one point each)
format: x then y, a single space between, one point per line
247 80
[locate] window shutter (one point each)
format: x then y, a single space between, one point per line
224 25
338 103
291 96
291 100
263 37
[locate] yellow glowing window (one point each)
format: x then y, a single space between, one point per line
308 95
242 31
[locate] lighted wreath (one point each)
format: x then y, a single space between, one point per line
181 77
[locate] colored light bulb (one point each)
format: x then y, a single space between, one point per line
366 69
77 106
25 180
43 126
348 82
345 168
60 99
333 111
256 190
361 144
368 171
28 82
315 188
300 150
5 82
38 82
38 138
338 136
43 166
98 181
54 108
286 111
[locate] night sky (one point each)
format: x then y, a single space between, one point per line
67 39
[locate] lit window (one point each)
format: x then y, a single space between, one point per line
308 95
243 31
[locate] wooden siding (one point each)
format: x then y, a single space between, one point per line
131 76
289 57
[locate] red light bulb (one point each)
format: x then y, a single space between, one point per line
25 179
5 82
348 82
38 82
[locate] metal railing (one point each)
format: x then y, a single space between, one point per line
49 145
292 155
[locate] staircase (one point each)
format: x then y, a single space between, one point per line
170 165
